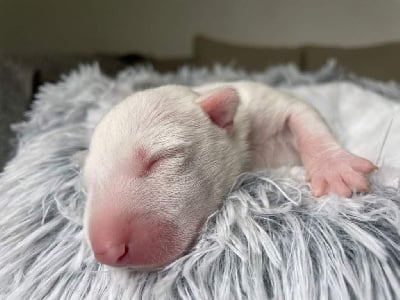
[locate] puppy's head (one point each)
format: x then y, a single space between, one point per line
158 165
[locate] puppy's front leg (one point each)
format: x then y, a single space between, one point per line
329 167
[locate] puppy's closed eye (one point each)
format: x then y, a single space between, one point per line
145 163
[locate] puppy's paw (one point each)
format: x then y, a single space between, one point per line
338 172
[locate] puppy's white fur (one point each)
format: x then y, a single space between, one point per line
200 160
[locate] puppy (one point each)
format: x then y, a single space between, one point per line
161 161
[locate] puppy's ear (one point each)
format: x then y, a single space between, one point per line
221 106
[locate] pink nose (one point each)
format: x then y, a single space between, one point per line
138 242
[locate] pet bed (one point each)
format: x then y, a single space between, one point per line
270 240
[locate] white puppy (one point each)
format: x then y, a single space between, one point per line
161 161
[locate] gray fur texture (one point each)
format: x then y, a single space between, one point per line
270 240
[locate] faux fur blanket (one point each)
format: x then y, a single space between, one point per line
270 240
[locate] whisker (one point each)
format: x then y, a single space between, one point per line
379 158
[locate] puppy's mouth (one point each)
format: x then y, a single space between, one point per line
144 245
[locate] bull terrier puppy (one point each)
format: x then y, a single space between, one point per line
161 161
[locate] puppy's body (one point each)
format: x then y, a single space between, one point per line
262 116
161 161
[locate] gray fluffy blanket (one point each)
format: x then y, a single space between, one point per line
270 240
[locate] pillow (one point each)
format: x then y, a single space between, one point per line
52 65
164 65
16 84
209 51
379 62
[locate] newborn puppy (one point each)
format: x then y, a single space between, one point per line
161 161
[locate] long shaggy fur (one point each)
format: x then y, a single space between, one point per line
270 240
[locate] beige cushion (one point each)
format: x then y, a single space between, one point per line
379 62
209 51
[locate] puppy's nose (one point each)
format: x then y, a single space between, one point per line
111 254
137 242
